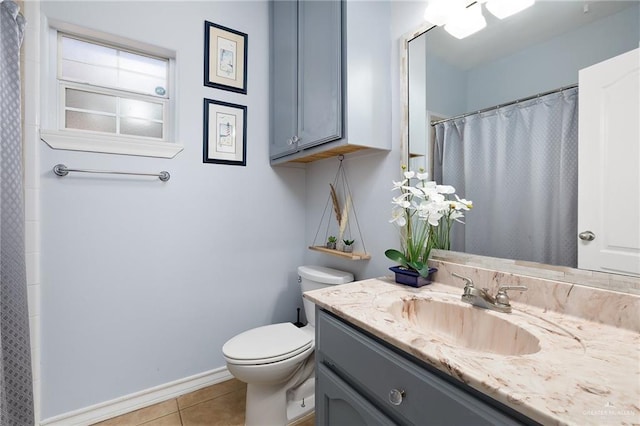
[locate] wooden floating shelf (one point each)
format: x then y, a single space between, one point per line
339 253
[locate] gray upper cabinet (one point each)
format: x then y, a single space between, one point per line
284 77
319 72
306 75
319 49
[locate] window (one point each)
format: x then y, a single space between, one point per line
111 99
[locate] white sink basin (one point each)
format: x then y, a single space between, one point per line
465 326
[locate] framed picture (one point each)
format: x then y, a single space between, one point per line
225 133
225 64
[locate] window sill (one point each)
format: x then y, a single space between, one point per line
105 144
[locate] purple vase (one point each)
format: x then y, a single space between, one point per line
411 278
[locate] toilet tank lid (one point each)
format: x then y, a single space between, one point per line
325 275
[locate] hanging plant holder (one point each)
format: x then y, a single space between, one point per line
338 239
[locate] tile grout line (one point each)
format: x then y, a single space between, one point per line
180 413
163 415
205 400
178 408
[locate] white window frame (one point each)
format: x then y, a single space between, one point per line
63 85
53 132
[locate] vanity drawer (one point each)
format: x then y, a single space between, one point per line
375 371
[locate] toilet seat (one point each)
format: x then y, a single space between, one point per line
267 344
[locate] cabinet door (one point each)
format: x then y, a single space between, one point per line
338 404
319 72
284 77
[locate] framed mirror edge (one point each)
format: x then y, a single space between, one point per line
602 280
404 89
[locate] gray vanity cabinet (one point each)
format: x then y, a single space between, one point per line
306 75
342 405
356 375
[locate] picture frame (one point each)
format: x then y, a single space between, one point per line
225 63
224 133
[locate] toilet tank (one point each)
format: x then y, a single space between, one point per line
316 277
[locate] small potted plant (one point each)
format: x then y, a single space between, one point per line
348 246
331 242
424 214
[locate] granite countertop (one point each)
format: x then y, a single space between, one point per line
585 372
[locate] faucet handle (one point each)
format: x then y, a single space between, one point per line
468 282
502 298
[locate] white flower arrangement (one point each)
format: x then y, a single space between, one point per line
424 214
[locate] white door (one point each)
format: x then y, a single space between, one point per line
609 164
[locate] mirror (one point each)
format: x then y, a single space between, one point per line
439 70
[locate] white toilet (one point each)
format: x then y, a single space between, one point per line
276 361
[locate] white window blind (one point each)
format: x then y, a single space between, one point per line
105 66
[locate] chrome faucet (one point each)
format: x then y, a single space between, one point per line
481 298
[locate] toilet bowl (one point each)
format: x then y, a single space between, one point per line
276 361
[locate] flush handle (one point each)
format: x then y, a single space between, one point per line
587 236
395 396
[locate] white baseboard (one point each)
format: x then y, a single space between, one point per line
137 400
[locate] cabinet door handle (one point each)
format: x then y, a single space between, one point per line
295 139
395 396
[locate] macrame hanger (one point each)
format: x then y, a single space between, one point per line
344 214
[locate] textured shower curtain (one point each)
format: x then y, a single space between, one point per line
16 395
519 166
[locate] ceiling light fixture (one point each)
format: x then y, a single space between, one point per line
505 8
439 12
461 20
466 22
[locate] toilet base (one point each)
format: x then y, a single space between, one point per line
269 405
266 405
295 410
301 401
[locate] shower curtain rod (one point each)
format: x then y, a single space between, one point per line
433 123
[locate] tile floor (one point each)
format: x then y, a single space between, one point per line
219 405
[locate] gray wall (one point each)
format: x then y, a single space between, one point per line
552 64
446 87
370 177
143 282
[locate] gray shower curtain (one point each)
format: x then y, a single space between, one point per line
519 166
16 394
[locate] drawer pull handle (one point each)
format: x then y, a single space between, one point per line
395 396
